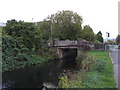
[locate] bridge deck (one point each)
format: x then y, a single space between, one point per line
78 44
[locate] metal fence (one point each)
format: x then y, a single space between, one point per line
110 47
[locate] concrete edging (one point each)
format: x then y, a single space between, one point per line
111 58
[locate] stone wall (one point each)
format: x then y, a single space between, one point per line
87 45
98 46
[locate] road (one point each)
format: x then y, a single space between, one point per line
115 55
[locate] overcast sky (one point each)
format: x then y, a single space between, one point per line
101 15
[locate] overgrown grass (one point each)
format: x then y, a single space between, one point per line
99 74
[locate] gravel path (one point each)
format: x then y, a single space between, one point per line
115 55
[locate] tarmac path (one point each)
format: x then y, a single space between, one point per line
115 55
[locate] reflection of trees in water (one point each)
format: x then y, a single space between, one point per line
35 76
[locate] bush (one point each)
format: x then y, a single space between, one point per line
84 61
64 82
67 83
16 56
81 56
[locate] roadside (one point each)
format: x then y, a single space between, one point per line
96 72
115 55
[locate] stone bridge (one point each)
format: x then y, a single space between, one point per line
66 48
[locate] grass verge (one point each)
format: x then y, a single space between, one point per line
96 72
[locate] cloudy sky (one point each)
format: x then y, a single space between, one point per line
101 15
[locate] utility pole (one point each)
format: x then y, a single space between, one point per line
51 30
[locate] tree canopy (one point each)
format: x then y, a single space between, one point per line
65 25
99 36
87 33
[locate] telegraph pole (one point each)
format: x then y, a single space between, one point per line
51 30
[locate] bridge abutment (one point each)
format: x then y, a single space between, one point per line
67 52
67 55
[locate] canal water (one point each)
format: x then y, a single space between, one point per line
35 76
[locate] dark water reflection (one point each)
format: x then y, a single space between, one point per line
35 76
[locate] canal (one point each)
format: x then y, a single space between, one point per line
36 75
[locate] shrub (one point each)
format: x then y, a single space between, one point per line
85 61
64 82
67 83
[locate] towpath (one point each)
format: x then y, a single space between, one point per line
115 55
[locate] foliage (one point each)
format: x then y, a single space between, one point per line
118 39
45 27
64 82
102 69
14 57
95 77
87 33
22 42
87 63
111 42
99 36
65 25
84 61
26 33
97 41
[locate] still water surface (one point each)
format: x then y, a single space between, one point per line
35 76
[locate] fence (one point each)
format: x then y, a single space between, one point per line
110 47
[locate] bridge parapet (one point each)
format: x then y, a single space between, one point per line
65 43
82 44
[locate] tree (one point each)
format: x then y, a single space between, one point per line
118 39
23 41
87 33
17 29
65 25
99 37
45 27
26 33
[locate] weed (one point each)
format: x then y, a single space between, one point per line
96 72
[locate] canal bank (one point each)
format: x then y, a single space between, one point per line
93 73
96 72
